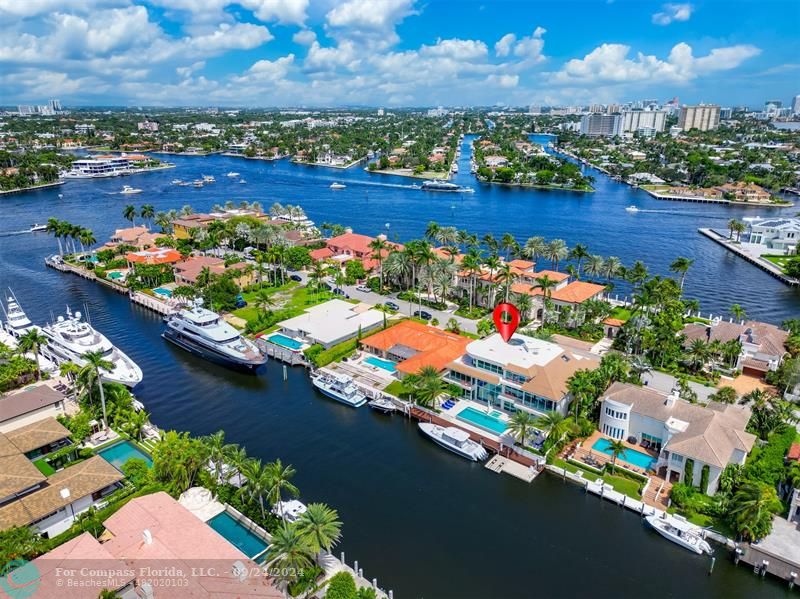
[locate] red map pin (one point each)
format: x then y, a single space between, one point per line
506 319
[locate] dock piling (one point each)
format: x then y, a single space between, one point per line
285 373
711 566
792 578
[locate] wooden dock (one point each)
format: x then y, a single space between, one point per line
764 265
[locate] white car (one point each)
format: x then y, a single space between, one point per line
363 289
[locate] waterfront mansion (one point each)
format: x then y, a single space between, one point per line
687 437
524 374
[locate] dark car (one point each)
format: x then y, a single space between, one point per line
297 278
392 306
423 315
240 303
338 291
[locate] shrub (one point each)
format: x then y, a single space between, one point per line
137 471
688 472
704 478
341 586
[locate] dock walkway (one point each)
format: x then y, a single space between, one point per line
764 265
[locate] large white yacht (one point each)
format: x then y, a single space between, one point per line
455 439
15 326
339 387
204 333
69 338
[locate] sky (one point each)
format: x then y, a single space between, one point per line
391 53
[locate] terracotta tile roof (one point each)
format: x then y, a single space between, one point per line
521 264
37 434
553 275
577 292
29 400
614 322
154 256
434 347
321 254
794 452
17 473
191 267
129 234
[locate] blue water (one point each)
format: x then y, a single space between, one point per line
123 451
632 456
482 420
285 341
243 539
387 365
163 291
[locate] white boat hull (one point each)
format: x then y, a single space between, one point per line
430 431
687 540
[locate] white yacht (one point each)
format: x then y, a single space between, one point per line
69 338
383 404
679 532
335 185
36 227
17 322
128 190
632 208
455 439
204 333
339 387
232 174
290 510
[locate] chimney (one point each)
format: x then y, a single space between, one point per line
671 399
147 536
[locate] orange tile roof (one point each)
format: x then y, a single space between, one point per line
521 264
794 452
553 275
577 292
320 254
154 256
614 322
435 347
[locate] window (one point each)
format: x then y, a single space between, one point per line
515 378
678 459
488 366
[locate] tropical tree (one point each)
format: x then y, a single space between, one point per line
553 424
291 554
147 212
257 483
612 266
177 461
521 424
738 312
379 248
218 453
53 227
752 509
617 448
263 301
319 526
681 266
95 365
697 354
426 385
556 251
534 247
31 342
135 423
279 481
579 253
593 266
129 212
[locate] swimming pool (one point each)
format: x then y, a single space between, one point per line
489 422
121 452
285 341
238 534
163 291
115 275
387 365
637 458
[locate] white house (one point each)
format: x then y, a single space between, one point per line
779 234
331 322
709 437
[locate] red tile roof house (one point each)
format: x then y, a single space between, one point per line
139 237
186 272
352 246
152 538
154 256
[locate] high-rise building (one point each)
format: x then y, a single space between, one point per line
796 105
596 108
645 122
601 125
55 105
725 113
25 110
704 117
612 108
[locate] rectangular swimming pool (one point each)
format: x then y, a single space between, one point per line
163 291
285 341
121 452
386 365
480 419
238 534
637 458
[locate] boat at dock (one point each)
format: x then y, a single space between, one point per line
455 439
335 185
445 186
36 227
15 326
128 190
382 404
679 532
339 387
204 333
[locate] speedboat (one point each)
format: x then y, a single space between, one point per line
198 183
291 510
177 181
128 190
17 322
339 387
232 174
338 186
68 339
455 439
444 186
242 181
204 333
37 227
383 404
679 532
209 179
632 209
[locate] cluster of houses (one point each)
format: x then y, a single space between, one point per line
733 192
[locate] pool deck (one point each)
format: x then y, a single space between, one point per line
584 453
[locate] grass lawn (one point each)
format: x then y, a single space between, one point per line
621 313
397 389
43 467
778 260
290 299
624 485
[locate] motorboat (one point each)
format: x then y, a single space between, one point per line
36 227
383 404
17 322
204 333
455 439
232 174
242 181
291 510
70 338
339 387
197 183
680 532
632 209
128 190
445 186
209 179
338 186
177 181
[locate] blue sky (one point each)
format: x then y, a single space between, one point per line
397 52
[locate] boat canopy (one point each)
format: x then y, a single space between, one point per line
456 434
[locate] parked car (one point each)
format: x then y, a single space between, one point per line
363 289
392 306
297 278
423 315
240 303
339 291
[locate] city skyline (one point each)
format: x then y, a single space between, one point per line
395 52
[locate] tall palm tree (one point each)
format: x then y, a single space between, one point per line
617 448
291 554
320 527
279 479
218 452
556 251
593 266
509 244
533 248
611 267
521 424
738 312
697 354
53 229
426 385
263 301
135 423
95 364
579 253
471 263
681 266
431 230
147 212
258 482
31 342
754 505
129 212
379 247
553 424
732 227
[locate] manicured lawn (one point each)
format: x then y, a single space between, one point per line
624 485
290 301
621 313
780 261
397 389
43 467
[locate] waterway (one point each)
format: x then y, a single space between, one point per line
423 521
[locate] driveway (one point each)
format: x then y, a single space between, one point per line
666 382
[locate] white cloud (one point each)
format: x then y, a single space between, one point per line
191 69
504 44
673 12
609 63
456 49
530 48
377 15
304 37
505 81
285 11
267 70
325 59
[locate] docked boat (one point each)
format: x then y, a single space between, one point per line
335 185
68 339
455 439
128 190
17 322
679 532
632 209
444 186
204 333
36 227
232 174
339 387
383 404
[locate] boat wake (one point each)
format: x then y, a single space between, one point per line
10 233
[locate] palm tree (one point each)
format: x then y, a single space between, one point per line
556 250
738 312
147 212
509 244
617 448
95 363
319 527
553 424
471 264
681 266
698 354
31 341
163 220
579 253
87 238
754 505
593 266
218 452
533 248
279 481
263 301
426 385
53 227
611 267
258 481
432 230
521 424
291 554
129 212
732 227
318 274
135 423
379 247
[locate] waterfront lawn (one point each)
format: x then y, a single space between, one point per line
622 484
289 300
621 313
398 389
779 260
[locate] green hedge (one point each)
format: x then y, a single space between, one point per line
341 586
688 472
319 356
766 463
